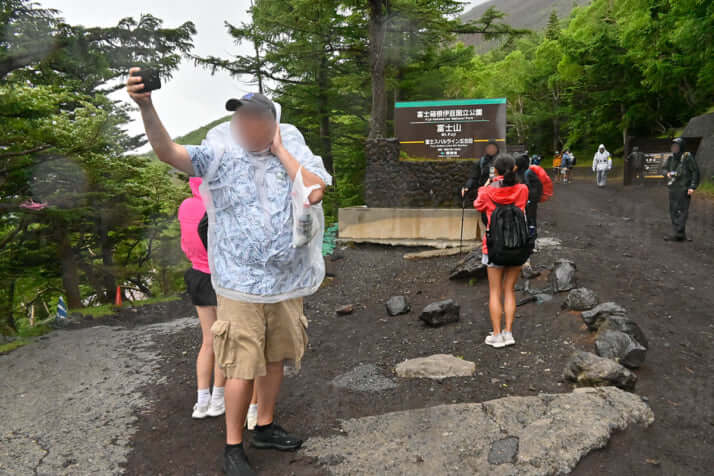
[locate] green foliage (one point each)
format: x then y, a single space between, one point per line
611 70
79 215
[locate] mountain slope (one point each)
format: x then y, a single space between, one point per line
530 14
194 137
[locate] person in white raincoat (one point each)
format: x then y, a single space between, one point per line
251 168
602 164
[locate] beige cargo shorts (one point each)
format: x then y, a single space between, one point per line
248 335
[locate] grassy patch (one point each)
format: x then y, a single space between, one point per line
95 311
706 188
10 346
109 309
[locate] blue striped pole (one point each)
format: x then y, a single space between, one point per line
61 309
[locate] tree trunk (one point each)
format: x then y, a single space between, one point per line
377 63
259 70
556 121
70 274
324 111
11 306
108 261
624 127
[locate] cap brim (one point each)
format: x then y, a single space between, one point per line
233 104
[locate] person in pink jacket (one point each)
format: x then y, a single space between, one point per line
199 287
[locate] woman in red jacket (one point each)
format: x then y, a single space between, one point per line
503 190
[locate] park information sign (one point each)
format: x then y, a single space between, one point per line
450 129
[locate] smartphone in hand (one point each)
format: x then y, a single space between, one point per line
150 78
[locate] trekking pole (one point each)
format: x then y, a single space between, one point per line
463 211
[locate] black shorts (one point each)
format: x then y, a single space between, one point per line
199 287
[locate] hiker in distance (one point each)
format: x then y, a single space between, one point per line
250 166
682 175
482 170
602 164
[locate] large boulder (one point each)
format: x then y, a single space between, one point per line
553 433
469 267
437 366
588 370
397 305
580 299
626 325
439 313
703 126
620 347
563 276
594 317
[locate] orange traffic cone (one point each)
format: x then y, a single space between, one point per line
117 299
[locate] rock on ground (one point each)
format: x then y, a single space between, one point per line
594 317
364 378
469 267
76 395
397 305
539 435
563 276
345 310
437 366
620 347
527 271
440 313
580 299
626 325
588 370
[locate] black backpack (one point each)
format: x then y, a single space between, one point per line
507 237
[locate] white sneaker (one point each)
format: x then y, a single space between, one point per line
252 417
495 341
508 338
216 408
200 411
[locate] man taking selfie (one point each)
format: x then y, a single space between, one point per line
260 276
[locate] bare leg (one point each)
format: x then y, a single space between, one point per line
237 396
205 360
254 399
267 388
495 293
510 277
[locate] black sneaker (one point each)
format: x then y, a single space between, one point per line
673 238
235 463
274 437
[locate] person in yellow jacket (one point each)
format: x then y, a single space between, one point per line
557 162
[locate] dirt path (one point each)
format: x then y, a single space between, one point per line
614 236
69 402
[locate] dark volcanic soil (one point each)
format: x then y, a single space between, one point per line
614 236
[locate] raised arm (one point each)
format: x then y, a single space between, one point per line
292 166
166 149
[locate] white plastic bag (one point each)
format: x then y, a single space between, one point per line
306 220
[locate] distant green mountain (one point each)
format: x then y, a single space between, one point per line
195 136
530 14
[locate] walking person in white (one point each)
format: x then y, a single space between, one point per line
602 163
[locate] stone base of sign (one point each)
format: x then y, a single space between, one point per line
436 227
391 182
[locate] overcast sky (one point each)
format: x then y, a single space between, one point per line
193 97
